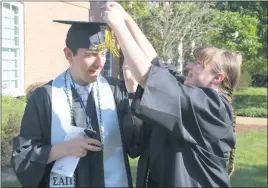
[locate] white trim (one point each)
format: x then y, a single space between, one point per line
20 90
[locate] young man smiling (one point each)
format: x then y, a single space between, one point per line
71 130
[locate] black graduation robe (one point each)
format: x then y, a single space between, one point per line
32 146
187 132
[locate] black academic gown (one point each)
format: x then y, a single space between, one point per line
32 146
187 132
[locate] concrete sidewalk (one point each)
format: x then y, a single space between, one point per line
251 121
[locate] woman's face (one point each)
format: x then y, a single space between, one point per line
199 76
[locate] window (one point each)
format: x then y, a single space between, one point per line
107 69
12 48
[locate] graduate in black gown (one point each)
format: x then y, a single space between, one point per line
78 98
188 134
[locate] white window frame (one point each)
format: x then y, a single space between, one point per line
20 90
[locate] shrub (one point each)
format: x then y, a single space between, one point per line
12 112
251 102
245 81
252 112
30 89
260 80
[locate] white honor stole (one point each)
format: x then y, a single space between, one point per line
62 173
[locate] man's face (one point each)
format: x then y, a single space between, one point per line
87 65
198 76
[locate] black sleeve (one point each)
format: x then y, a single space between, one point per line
190 113
32 146
134 131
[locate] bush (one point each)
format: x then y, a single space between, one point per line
12 112
30 89
251 102
245 81
252 112
260 80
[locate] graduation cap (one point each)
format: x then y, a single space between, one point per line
95 36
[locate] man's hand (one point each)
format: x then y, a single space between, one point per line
80 146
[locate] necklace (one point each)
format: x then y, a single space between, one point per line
71 111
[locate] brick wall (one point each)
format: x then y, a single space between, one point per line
44 40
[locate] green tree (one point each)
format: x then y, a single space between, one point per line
236 32
173 29
258 10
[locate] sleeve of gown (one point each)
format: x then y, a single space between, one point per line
189 113
31 147
134 129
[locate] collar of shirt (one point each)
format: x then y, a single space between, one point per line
83 91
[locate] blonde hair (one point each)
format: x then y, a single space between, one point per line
228 63
222 61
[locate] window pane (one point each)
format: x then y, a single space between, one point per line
5 84
13 64
107 66
13 54
12 32
5 75
15 9
14 84
6 22
6 42
5 53
13 75
6 5
5 64
16 20
6 33
17 40
16 30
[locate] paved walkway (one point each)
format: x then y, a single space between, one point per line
251 121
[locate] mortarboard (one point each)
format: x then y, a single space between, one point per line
91 35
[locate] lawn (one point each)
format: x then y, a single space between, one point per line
251 161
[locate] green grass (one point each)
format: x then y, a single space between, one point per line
10 183
251 162
252 91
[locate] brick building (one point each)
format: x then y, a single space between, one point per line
32 45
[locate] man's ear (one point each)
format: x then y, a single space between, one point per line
68 54
218 78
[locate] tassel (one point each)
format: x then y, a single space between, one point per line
109 43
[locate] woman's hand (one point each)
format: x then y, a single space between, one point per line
114 15
130 82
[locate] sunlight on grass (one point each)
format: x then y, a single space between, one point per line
251 162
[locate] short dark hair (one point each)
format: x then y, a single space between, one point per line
73 50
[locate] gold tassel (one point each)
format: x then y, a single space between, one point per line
109 43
